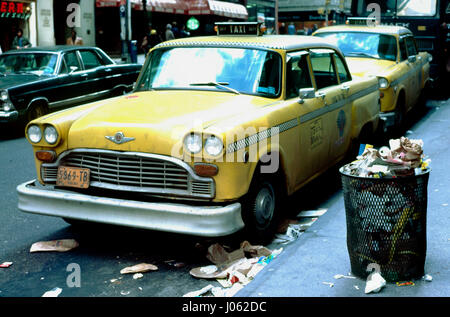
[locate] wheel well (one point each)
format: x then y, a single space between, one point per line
401 100
279 172
35 102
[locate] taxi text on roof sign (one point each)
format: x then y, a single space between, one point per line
239 28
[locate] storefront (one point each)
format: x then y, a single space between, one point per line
15 15
159 13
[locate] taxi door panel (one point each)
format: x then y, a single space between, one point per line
310 137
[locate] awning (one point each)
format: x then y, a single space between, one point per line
188 7
228 9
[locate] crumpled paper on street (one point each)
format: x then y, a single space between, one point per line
139 268
403 157
233 269
54 245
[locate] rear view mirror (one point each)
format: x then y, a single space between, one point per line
306 93
73 69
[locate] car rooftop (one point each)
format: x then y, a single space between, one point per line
54 48
384 29
282 42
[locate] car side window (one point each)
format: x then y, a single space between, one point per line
297 74
71 59
341 70
90 59
323 69
411 46
403 53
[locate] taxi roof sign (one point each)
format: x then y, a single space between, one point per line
239 28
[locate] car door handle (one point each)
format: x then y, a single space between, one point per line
345 88
84 75
320 95
108 70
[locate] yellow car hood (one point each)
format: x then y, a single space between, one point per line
362 67
157 120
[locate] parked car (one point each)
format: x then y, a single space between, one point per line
35 80
390 53
217 131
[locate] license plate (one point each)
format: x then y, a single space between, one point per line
73 177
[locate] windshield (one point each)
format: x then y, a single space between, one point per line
401 7
361 44
233 70
36 63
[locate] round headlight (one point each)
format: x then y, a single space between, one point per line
34 133
50 134
213 146
193 143
383 82
7 106
4 95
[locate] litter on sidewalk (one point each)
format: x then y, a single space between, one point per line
375 282
139 268
54 245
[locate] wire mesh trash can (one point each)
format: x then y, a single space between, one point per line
386 224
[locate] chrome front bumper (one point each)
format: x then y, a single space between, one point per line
209 221
8 116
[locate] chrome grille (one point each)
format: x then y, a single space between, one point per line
136 172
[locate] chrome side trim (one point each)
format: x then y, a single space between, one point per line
208 221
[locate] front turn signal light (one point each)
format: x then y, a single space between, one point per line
202 169
46 156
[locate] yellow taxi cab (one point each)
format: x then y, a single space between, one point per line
390 53
217 131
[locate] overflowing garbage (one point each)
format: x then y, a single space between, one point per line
403 157
386 207
233 269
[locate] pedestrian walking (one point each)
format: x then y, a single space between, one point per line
169 34
20 41
73 39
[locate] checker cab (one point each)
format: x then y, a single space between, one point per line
217 131
390 53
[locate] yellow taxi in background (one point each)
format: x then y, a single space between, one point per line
217 131
390 53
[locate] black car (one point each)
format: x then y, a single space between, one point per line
35 80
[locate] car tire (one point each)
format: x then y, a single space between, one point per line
261 208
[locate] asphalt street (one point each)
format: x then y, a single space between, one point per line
105 250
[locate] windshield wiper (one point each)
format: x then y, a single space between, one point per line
214 84
361 54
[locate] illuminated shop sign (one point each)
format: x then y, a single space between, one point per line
18 10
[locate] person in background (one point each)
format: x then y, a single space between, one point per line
175 30
20 41
73 39
183 32
291 29
169 33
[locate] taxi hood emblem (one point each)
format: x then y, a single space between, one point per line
119 138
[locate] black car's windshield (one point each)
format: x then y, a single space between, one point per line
362 44
233 70
36 63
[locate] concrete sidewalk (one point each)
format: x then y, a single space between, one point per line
307 266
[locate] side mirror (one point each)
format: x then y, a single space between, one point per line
306 93
412 58
72 69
